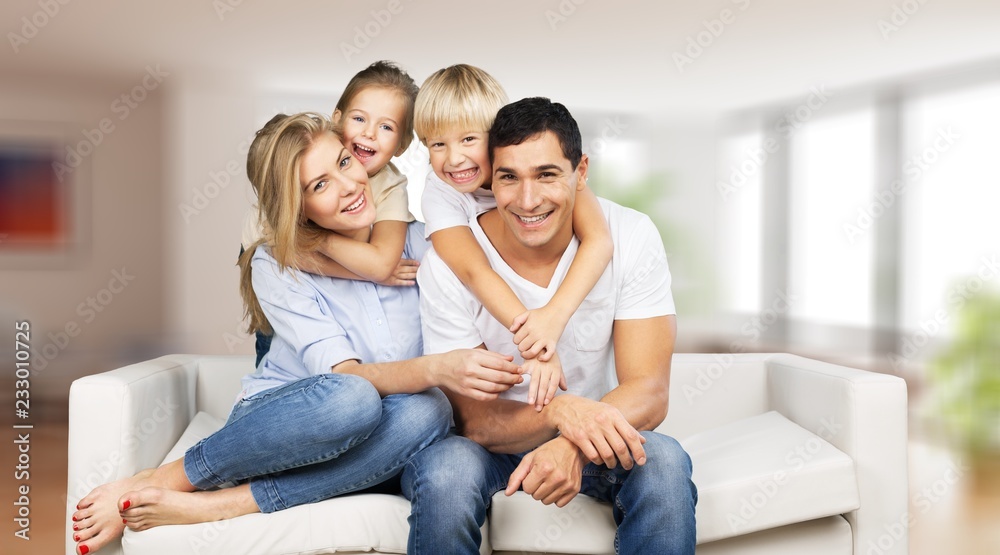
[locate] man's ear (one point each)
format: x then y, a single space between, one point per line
581 172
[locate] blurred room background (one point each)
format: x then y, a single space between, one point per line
823 175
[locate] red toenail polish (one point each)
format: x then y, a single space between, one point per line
124 521
74 519
76 538
126 504
76 528
84 550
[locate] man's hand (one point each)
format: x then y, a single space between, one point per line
545 378
599 430
536 332
552 473
405 274
476 373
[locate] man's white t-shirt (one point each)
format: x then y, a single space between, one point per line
444 207
636 284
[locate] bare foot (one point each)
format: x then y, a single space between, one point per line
98 519
153 506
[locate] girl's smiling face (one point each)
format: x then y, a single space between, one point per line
371 125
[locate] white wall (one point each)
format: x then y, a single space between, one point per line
207 194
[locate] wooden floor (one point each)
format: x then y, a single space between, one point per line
954 512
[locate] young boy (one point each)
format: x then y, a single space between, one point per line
454 111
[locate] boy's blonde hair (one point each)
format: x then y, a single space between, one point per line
273 169
384 74
460 96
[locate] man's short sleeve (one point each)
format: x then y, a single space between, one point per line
447 308
389 194
645 287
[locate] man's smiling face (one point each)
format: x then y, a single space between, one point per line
535 187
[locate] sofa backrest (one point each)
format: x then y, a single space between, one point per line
709 390
218 383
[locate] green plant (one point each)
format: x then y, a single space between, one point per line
965 378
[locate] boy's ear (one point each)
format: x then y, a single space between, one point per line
581 172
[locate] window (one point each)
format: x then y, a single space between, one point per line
831 180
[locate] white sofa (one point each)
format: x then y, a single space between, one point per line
790 456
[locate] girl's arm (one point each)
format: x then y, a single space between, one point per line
539 330
376 260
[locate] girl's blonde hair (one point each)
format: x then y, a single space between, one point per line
385 75
273 169
460 96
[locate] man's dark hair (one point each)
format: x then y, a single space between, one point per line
526 118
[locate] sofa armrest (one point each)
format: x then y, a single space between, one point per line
125 420
864 415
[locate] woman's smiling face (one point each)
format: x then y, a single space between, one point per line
335 190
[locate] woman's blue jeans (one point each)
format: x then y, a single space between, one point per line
317 438
451 483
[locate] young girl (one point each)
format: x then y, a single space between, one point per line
336 384
454 111
375 113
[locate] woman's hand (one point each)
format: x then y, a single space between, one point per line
476 373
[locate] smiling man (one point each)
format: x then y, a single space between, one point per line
596 438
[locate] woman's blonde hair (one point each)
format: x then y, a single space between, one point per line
273 169
460 96
385 75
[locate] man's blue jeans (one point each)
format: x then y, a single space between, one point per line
317 438
450 485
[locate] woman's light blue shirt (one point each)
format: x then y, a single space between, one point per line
320 321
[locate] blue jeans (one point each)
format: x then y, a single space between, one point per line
450 485
317 438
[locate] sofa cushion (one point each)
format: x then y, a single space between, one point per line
201 426
766 471
352 523
753 474
520 523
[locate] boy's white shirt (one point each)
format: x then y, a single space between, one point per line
388 187
636 284
444 207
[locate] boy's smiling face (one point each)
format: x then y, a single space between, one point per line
461 159
371 125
